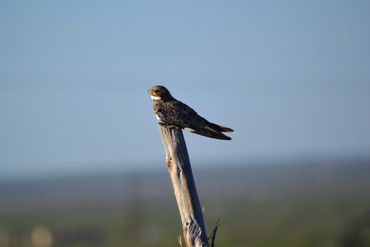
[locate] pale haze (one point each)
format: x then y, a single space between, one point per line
292 78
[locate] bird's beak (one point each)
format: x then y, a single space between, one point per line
149 91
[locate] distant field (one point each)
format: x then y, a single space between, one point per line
315 204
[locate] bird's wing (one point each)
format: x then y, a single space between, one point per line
177 113
181 115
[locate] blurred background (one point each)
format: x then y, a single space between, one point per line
81 159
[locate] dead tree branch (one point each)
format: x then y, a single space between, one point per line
179 169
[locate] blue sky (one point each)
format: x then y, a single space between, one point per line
291 77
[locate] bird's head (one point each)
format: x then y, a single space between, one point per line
159 93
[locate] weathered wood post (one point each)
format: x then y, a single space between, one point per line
179 169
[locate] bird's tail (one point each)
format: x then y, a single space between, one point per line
219 128
211 133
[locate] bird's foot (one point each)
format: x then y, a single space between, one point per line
169 126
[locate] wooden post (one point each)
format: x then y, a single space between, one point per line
179 169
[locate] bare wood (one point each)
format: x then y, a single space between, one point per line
179 169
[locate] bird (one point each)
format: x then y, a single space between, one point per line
172 112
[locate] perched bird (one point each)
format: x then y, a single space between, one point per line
170 111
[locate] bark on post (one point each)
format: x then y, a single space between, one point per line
179 169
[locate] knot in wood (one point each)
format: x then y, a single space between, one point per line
178 171
169 162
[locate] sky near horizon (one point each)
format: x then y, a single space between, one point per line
291 77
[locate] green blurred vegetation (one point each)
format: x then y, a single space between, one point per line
318 204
